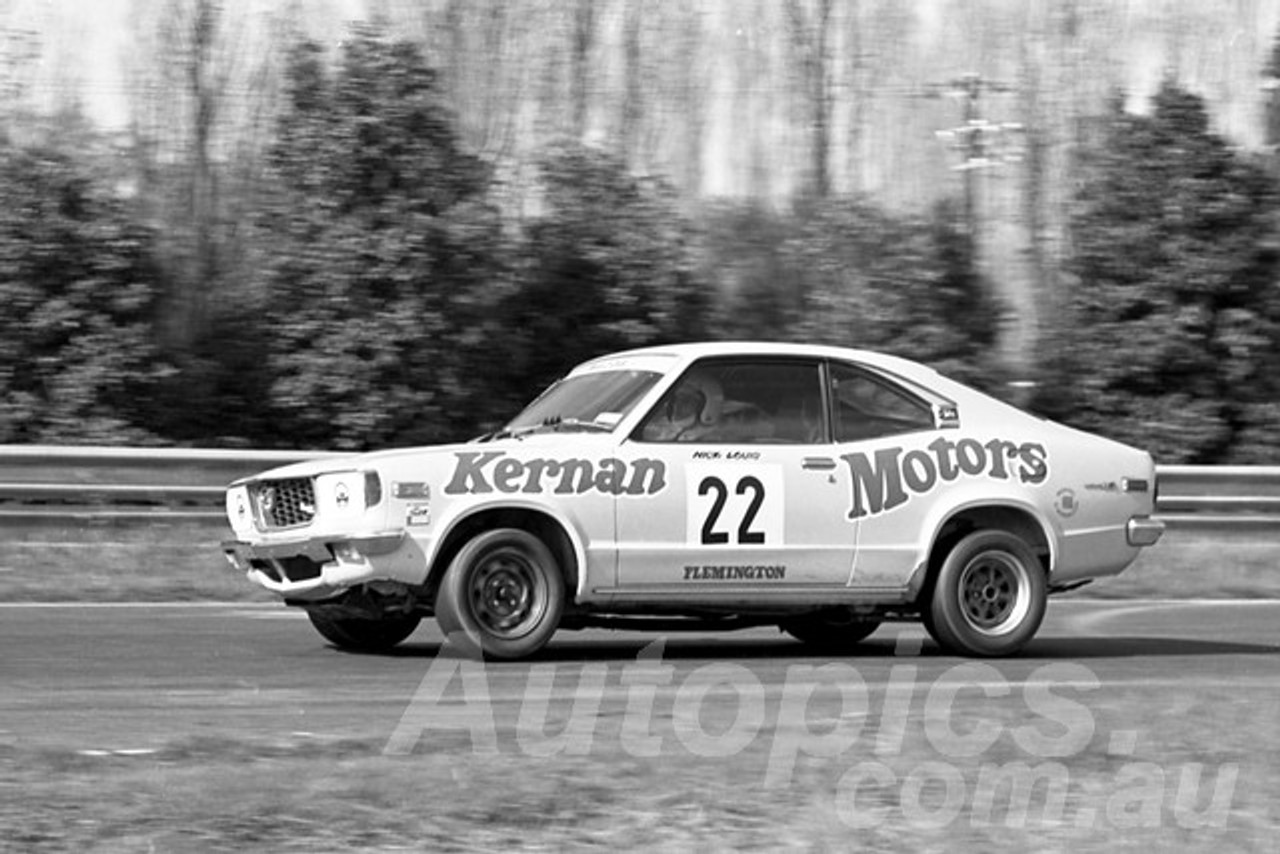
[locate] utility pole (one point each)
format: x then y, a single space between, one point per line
19 58
990 218
982 144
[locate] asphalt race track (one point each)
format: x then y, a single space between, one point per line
131 678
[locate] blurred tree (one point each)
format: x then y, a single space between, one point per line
19 59
204 92
899 284
1271 85
78 286
841 271
180 70
609 264
1256 440
580 78
634 83
810 35
1169 344
755 294
378 294
487 69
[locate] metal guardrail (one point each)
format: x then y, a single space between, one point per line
55 483
1235 497
103 484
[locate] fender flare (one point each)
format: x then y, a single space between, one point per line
451 522
941 514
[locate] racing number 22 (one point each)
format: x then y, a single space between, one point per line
746 536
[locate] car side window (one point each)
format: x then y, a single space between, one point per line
866 406
741 402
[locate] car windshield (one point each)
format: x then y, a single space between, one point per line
596 400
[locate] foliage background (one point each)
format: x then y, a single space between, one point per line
364 269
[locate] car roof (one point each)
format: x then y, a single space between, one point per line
926 378
690 351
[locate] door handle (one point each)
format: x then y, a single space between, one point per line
819 463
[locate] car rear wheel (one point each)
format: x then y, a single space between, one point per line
502 596
364 634
832 632
989 596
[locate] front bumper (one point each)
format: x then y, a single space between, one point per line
1143 531
312 567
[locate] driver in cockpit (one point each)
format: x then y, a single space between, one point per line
690 411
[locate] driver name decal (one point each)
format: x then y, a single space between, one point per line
889 477
481 472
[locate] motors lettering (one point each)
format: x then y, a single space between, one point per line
890 477
481 472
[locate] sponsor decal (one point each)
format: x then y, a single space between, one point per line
418 514
483 472
410 489
735 573
888 478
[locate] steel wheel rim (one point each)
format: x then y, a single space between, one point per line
994 593
507 594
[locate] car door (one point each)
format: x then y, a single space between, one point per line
888 436
754 497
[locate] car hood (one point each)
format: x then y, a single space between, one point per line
388 458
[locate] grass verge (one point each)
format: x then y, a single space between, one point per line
1189 564
175 562
184 563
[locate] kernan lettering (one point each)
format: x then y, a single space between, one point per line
482 472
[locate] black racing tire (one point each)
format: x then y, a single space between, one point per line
926 619
363 634
830 632
989 597
502 596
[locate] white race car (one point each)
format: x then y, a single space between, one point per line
708 486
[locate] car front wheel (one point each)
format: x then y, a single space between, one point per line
363 634
989 596
502 595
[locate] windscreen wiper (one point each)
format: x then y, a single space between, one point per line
555 422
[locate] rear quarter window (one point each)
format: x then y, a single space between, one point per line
868 407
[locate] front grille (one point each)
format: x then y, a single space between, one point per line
285 503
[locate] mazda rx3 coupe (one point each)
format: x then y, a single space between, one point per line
708 486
